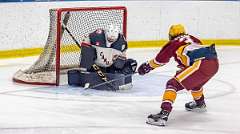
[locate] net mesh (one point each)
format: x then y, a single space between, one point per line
80 23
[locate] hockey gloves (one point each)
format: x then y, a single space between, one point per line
119 62
144 68
130 67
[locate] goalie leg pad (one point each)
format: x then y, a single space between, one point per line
74 78
77 78
93 79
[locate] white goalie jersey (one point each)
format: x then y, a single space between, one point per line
106 56
106 52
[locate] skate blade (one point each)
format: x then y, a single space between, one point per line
160 123
197 110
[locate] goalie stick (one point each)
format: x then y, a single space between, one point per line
103 77
95 67
110 81
74 39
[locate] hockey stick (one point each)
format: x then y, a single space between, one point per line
74 39
103 77
110 81
95 67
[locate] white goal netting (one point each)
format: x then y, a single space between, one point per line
61 52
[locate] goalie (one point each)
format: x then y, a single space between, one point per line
103 61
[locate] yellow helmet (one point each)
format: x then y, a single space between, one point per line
176 30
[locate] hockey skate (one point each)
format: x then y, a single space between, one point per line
193 106
159 119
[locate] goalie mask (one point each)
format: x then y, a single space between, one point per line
176 30
112 33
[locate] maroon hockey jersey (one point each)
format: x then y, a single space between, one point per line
178 48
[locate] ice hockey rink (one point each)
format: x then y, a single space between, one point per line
29 109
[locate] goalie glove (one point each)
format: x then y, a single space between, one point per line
130 67
144 68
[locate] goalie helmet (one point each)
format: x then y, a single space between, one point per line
112 32
176 30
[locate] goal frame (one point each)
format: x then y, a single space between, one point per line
59 12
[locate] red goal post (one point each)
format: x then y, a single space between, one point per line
60 52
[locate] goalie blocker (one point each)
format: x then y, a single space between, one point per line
118 75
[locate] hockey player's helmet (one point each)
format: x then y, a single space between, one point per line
112 32
176 30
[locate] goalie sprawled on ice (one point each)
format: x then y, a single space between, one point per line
103 62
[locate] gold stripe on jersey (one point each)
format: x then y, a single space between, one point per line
180 55
187 72
154 64
169 95
197 94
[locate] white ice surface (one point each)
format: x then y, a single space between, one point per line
26 109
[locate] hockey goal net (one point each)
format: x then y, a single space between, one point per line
61 52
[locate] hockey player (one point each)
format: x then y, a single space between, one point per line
197 64
103 56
